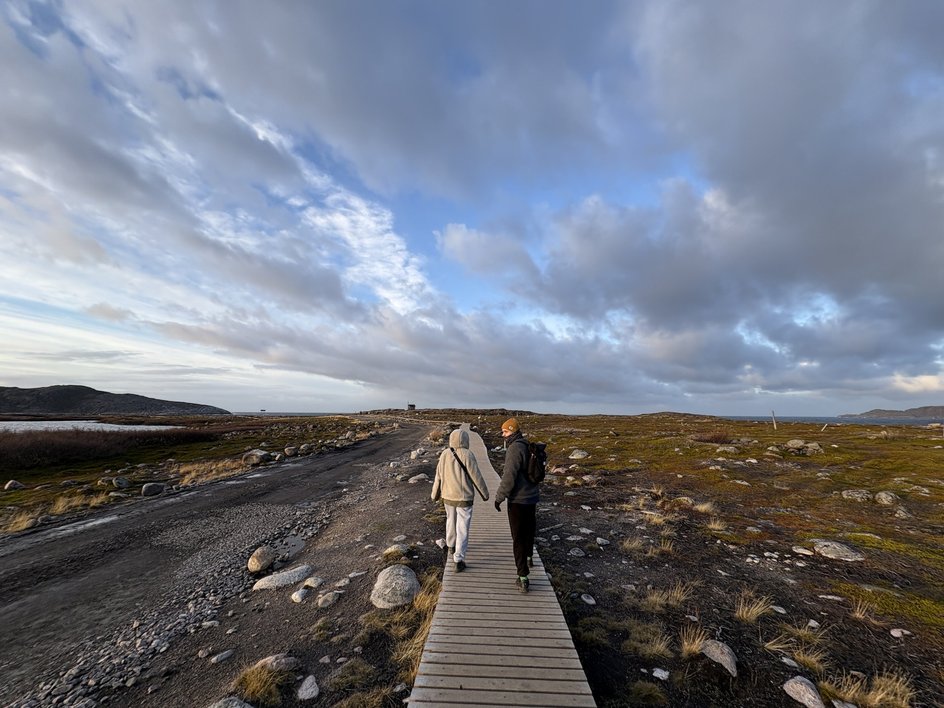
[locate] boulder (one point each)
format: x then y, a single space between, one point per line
291 451
887 498
578 454
12 485
152 489
256 457
261 559
837 551
395 586
286 577
121 482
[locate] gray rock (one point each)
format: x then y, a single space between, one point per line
588 599
278 662
328 599
261 559
121 482
395 586
802 690
301 595
418 478
152 489
291 451
230 702
12 485
313 582
902 513
286 577
837 551
886 498
309 690
222 656
578 454
721 653
577 552
726 450
859 495
802 551
795 444
256 457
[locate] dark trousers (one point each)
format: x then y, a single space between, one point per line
522 520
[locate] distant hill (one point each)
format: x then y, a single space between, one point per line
922 412
85 401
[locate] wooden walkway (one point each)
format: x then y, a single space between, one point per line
490 645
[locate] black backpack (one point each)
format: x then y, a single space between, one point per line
536 468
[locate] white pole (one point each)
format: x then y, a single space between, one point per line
824 427
774 418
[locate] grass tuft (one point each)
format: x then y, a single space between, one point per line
646 693
209 470
692 638
812 659
353 675
705 508
21 520
262 685
750 608
633 544
716 524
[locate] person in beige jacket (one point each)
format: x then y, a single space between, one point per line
457 480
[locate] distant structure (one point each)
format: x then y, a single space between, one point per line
411 406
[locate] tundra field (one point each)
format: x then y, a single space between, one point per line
808 552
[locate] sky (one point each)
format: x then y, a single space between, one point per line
610 207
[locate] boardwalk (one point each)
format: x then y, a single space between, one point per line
490 645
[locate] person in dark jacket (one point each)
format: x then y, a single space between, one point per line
522 495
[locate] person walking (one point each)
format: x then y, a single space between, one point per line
457 480
522 495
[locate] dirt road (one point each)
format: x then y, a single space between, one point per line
65 588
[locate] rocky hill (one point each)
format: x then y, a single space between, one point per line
922 412
85 401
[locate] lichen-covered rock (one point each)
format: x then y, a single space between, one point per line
802 690
261 559
837 551
395 586
721 653
280 580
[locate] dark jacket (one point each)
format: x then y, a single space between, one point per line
515 485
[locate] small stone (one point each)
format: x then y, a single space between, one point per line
802 551
588 599
222 656
152 489
324 660
577 552
837 551
261 559
13 485
309 690
313 582
285 577
328 599
898 633
301 595
660 674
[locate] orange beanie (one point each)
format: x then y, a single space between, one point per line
511 425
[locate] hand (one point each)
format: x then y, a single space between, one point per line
497 505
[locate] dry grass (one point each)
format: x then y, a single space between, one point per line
378 698
691 640
680 592
716 524
631 545
646 693
657 519
805 633
209 470
781 643
353 675
409 650
647 640
21 520
262 685
890 689
812 659
654 601
705 508
862 610
749 608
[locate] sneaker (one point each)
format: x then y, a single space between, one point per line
460 566
522 584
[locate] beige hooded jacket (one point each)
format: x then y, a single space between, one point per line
452 484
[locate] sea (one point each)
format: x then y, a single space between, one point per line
18 426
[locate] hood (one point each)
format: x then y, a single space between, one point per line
459 438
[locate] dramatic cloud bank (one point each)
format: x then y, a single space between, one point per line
616 207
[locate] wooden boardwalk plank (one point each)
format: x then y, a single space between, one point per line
490 645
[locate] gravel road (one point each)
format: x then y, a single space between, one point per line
83 604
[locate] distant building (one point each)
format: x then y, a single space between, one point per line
411 406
